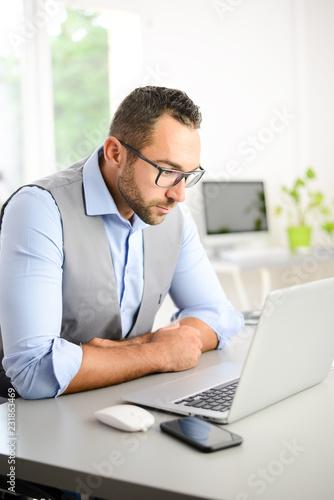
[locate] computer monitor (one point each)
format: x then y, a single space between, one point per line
234 213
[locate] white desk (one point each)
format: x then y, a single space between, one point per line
264 262
287 452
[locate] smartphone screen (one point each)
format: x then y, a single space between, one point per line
201 434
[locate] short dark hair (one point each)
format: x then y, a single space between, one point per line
134 119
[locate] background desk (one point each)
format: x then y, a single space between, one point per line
293 269
287 451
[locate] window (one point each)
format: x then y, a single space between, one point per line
80 85
63 72
10 100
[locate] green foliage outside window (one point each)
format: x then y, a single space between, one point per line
80 79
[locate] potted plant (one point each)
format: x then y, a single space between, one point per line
302 206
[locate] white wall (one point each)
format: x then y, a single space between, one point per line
262 72
246 67
320 51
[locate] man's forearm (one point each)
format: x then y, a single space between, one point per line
103 366
208 336
107 363
140 339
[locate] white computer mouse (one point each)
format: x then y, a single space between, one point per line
126 417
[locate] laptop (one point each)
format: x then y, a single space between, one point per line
291 350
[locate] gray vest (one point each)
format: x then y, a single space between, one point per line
90 301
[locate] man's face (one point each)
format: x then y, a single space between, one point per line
173 146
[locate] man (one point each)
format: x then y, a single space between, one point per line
88 255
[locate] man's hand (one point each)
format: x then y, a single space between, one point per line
179 347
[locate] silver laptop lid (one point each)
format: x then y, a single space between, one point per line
292 349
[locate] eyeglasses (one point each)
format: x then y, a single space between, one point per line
167 177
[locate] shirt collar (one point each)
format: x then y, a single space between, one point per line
98 199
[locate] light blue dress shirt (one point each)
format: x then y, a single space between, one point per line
39 362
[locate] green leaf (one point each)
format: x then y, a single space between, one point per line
310 174
325 211
329 227
316 199
295 195
299 182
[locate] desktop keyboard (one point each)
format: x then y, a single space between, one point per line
218 398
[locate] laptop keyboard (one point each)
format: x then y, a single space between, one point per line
218 398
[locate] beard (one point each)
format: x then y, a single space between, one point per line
136 201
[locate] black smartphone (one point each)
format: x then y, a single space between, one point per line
201 434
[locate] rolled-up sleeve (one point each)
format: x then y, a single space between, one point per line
39 363
196 290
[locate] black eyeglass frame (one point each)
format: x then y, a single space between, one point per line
183 175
